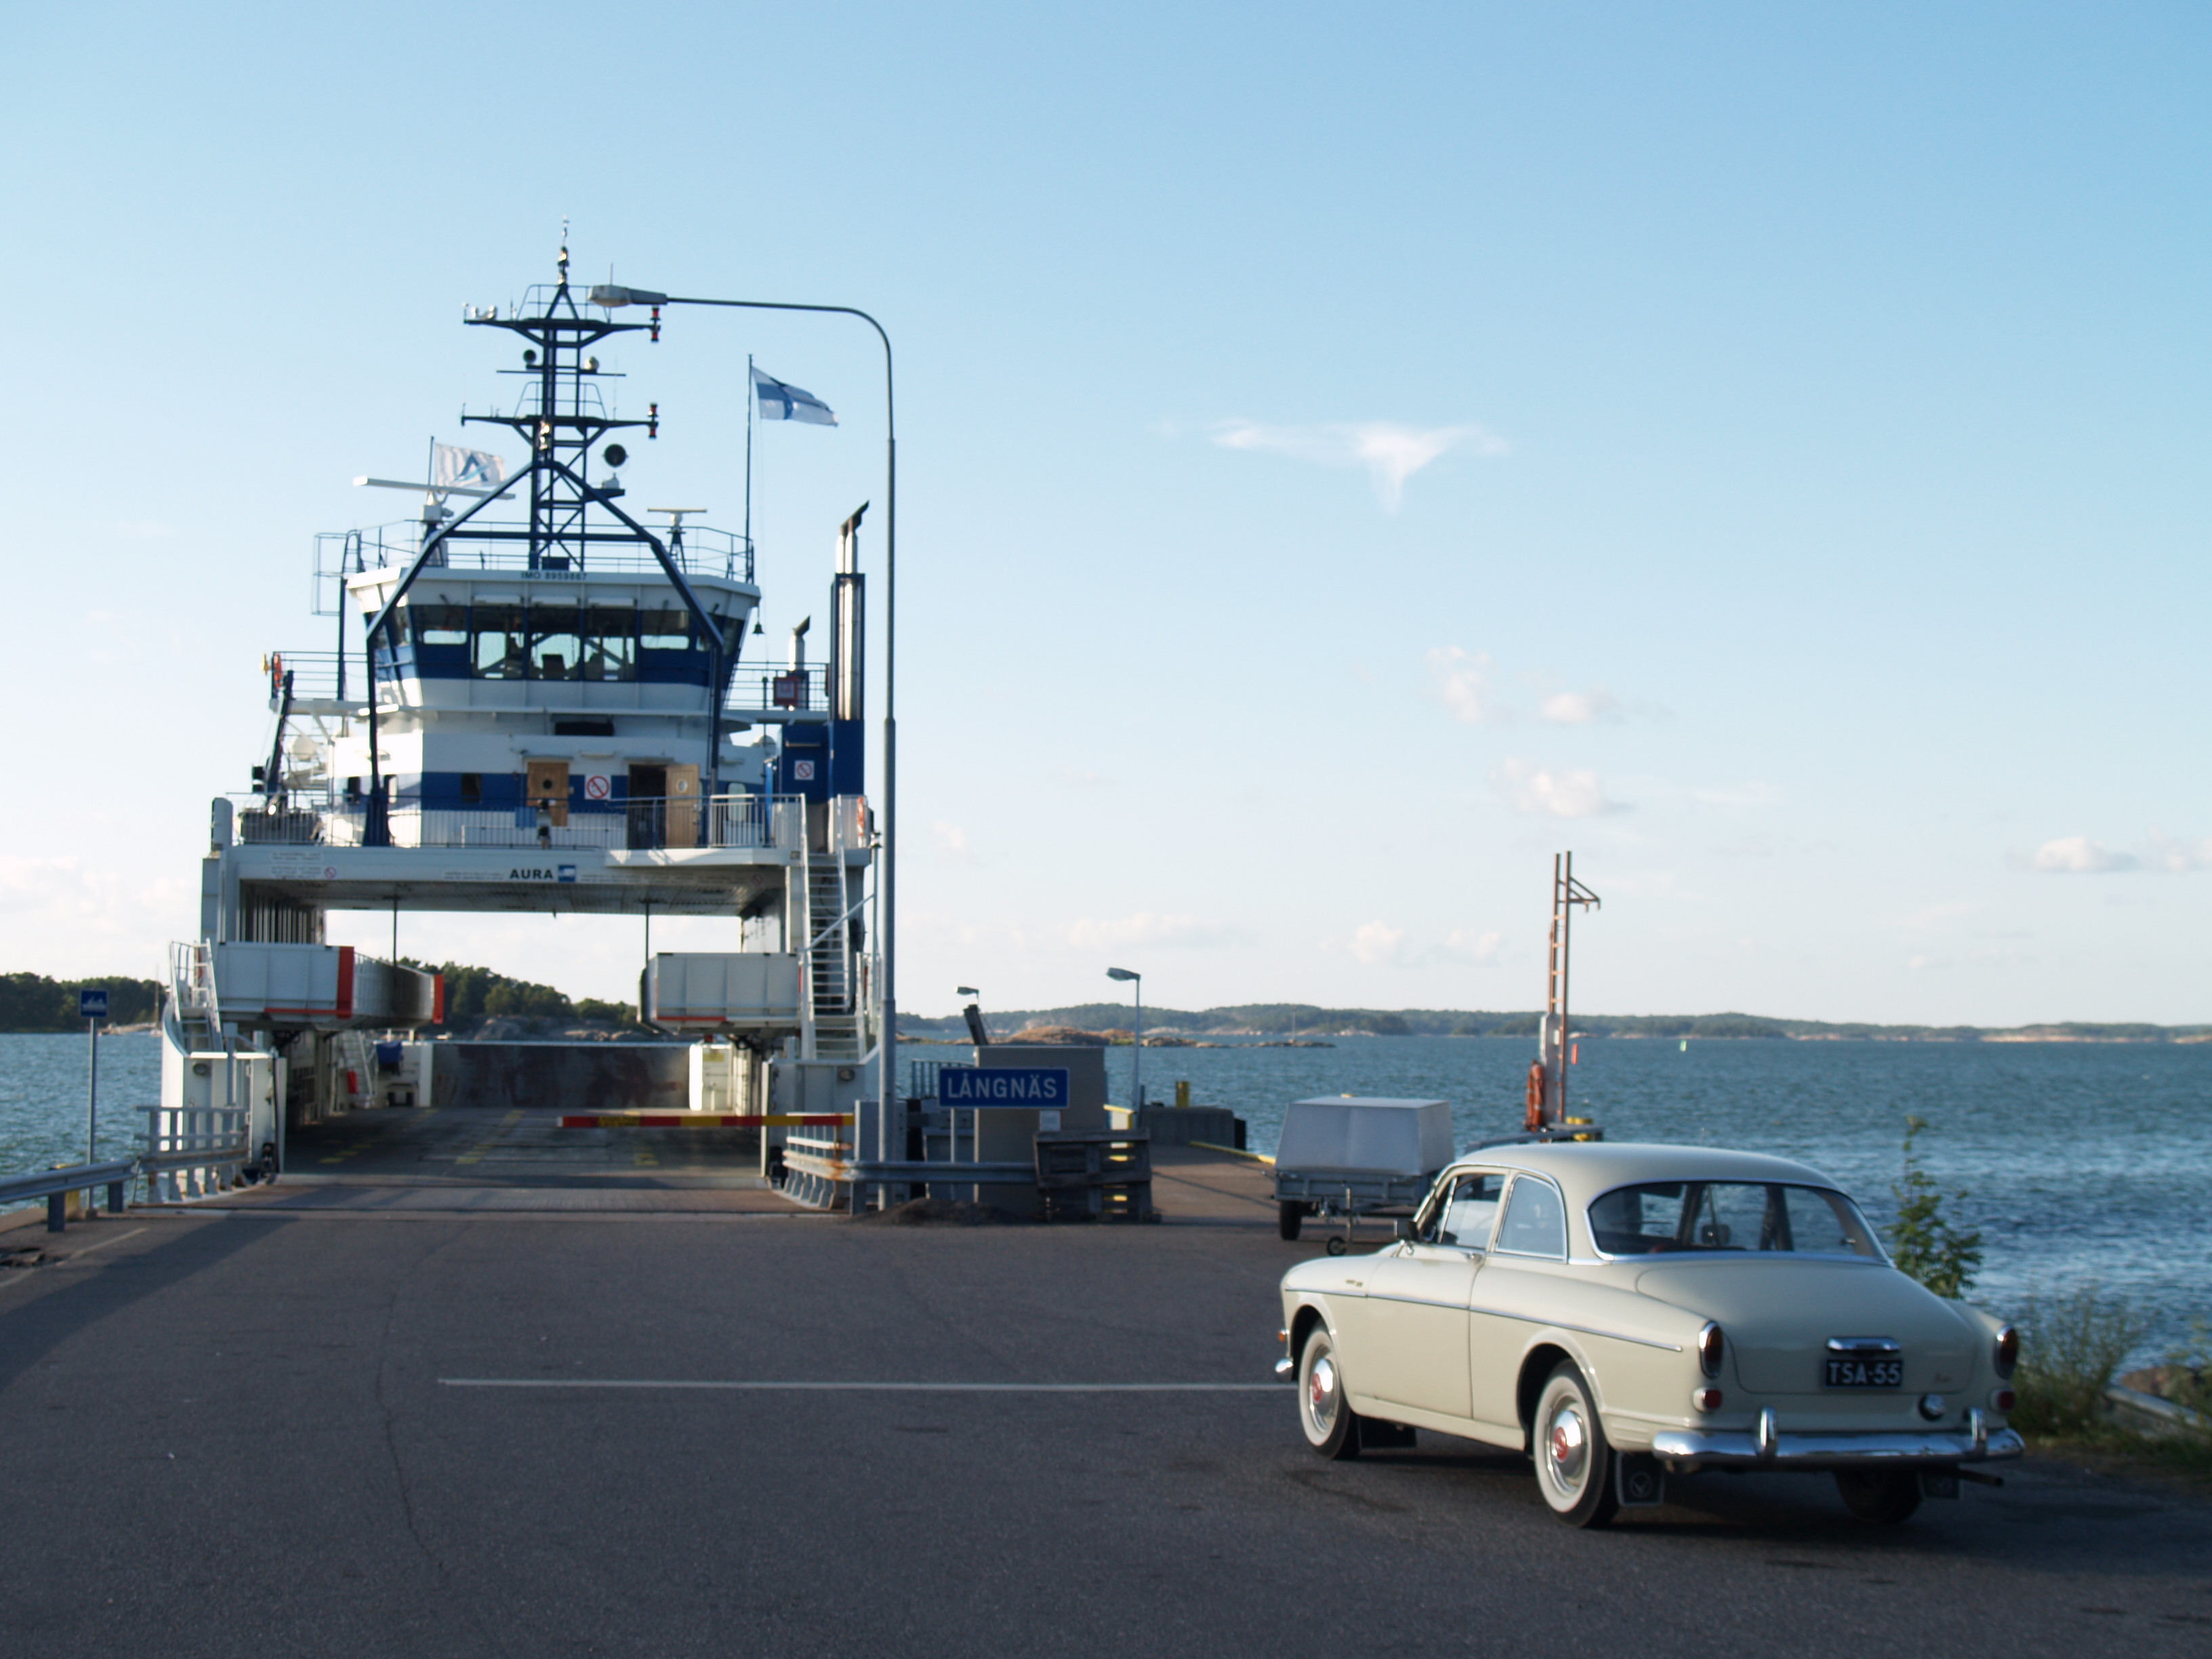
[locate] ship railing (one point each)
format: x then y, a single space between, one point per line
636 824
761 685
313 675
611 551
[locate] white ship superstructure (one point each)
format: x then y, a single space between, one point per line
541 699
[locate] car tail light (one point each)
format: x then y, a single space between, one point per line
2004 1399
1706 1399
2008 1351
1712 1347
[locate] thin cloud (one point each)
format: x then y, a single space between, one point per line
952 841
1550 792
1461 680
1376 943
2179 856
1582 708
1390 452
2077 855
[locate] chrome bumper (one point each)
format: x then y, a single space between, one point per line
1685 1450
1285 1365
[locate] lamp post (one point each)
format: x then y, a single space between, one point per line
1137 1046
608 295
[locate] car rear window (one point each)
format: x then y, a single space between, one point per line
1661 1216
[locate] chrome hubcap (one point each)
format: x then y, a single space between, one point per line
1321 1392
1567 1445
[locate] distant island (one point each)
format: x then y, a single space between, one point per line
1172 1027
480 1003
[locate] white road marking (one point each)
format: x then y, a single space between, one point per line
864 1388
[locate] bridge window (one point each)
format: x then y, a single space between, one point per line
609 650
501 647
664 629
556 641
440 624
441 639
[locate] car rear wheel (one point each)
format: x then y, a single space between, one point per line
1574 1464
1331 1428
1884 1496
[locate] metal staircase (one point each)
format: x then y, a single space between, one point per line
193 1019
831 1014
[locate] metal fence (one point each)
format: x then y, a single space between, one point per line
636 824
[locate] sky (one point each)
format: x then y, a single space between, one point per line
1347 456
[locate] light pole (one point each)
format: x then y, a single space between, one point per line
1137 1046
608 295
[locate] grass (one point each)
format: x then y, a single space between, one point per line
2072 1347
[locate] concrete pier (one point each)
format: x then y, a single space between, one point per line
422 1406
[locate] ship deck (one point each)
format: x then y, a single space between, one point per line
405 1403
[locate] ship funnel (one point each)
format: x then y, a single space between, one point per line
848 614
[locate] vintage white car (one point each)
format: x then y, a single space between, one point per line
1617 1312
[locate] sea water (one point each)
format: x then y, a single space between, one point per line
2082 1162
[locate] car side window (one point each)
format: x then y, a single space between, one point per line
1535 1221
1468 1211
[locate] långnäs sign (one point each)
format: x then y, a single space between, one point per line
1038 1087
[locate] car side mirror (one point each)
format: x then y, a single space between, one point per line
1405 1228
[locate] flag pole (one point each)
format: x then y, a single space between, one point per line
752 397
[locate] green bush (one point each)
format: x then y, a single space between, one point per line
2071 1347
1922 1242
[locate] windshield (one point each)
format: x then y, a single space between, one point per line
1661 1216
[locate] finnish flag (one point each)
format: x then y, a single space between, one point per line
778 402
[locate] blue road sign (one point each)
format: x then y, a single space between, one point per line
92 1004
1038 1087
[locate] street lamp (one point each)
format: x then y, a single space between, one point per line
608 295
1136 1047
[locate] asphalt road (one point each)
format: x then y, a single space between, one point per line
241 1432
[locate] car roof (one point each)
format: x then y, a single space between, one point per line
1585 1169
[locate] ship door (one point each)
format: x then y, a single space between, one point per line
683 806
648 807
549 787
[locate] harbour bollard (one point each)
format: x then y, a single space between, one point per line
1183 1093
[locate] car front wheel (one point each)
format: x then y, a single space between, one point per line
1326 1416
1574 1464
1884 1496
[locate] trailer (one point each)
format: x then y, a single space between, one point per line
1352 1155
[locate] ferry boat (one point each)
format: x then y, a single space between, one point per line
539 699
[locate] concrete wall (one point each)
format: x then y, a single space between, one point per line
571 1077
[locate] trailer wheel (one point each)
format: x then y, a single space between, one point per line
1288 1214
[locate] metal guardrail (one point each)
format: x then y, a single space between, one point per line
56 1185
193 1151
704 551
634 824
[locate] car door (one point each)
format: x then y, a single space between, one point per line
1531 1236
1417 1299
